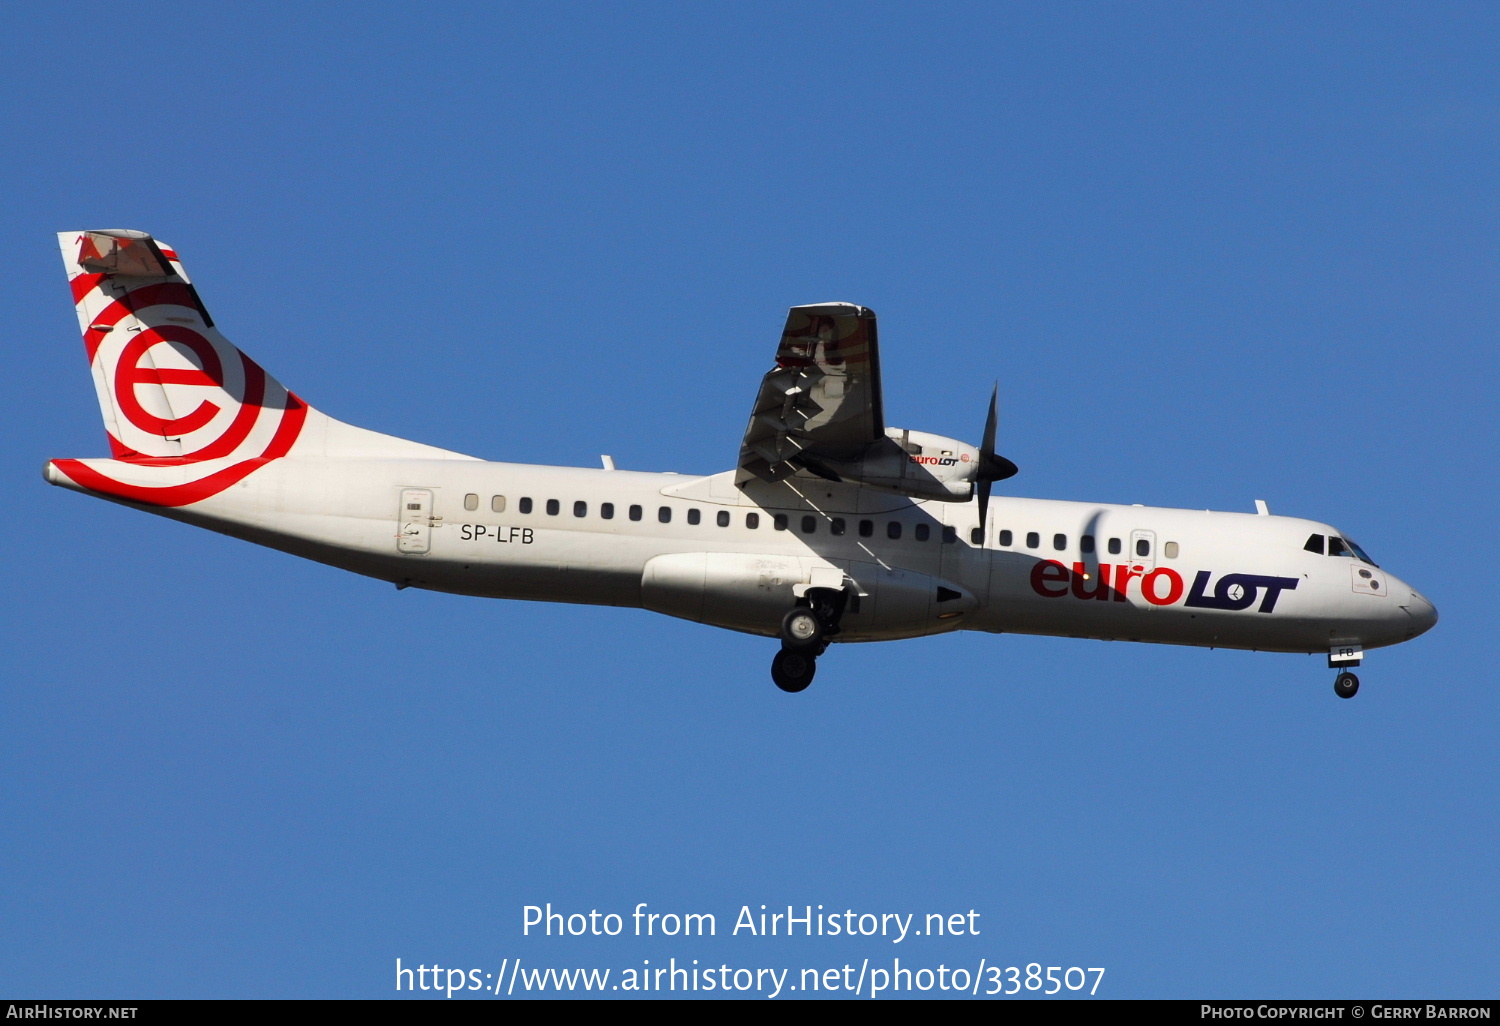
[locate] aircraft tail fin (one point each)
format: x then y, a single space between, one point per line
173 391
170 386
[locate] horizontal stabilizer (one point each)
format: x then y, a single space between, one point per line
126 253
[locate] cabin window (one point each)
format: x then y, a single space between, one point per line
1142 547
1315 544
1059 542
1336 546
471 501
809 525
922 532
866 528
976 536
607 510
1006 538
694 517
1114 546
664 514
497 503
950 535
580 508
778 521
723 518
836 526
893 530
752 520
1033 540
1086 543
413 505
553 507
635 512
526 505
1171 550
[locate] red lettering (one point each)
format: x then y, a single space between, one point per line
1174 586
1049 572
1123 576
1081 574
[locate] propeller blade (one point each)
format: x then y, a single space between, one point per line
987 446
992 468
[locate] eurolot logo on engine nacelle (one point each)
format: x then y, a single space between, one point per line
1161 586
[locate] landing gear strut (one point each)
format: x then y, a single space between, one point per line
1346 686
805 632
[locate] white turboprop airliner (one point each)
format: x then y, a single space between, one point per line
834 527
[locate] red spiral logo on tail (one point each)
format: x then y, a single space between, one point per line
182 395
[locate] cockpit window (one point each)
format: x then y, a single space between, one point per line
1339 547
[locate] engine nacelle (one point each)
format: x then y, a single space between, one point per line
918 464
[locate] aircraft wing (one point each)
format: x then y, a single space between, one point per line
821 402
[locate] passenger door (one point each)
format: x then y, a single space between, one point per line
414 518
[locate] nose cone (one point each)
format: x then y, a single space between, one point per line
1423 613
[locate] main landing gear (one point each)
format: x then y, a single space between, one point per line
793 671
805 633
1346 685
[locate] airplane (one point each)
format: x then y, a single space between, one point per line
833 526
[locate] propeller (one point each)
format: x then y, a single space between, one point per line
992 468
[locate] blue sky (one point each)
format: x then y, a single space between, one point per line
1211 253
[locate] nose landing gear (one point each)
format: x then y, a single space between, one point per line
1346 685
805 633
1345 657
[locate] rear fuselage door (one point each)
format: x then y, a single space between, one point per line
415 519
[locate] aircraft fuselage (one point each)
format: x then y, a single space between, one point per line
565 534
